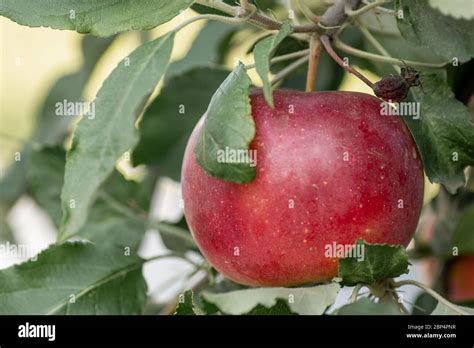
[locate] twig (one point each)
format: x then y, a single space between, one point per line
304 8
327 45
378 58
431 292
283 58
400 305
381 9
367 8
289 8
315 49
229 20
164 256
162 227
355 292
198 286
246 5
258 18
197 267
368 35
335 16
173 231
289 69
409 302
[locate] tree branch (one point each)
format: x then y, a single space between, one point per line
367 8
326 41
334 16
162 227
378 58
289 69
283 58
431 292
315 49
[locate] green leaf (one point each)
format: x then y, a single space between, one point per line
6 233
463 236
424 304
443 133
98 143
263 52
175 243
45 174
379 261
280 308
52 129
169 121
75 278
202 9
264 5
364 306
99 18
305 301
384 28
13 180
105 224
447 37
228 125
186 304
457 9
204 51
443 309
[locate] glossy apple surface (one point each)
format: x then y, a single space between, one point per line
330 169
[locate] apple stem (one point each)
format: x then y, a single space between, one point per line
400 305
315 50
355 292
326 41
431 292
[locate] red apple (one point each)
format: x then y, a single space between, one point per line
461 279
330 169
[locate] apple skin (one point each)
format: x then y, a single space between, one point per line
461 280
300 159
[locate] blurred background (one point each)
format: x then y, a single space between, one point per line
33 59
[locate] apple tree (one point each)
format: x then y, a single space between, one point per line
292 190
